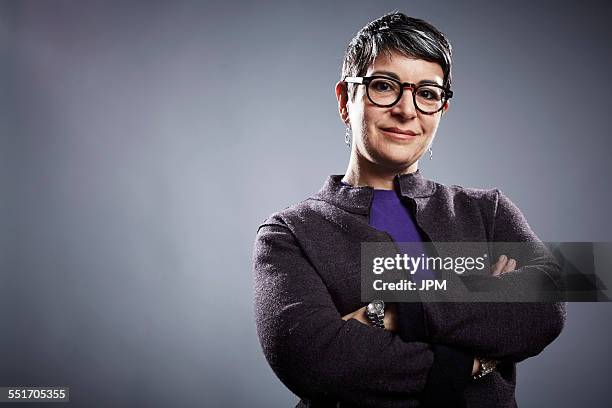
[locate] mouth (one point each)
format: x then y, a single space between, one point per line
403 134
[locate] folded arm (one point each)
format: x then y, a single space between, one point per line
318 355
510 331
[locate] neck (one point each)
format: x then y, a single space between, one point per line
362 172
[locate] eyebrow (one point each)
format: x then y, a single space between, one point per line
395 76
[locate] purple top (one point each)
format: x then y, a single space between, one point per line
389 214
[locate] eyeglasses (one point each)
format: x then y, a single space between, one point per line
385 92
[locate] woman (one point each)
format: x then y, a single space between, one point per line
316 333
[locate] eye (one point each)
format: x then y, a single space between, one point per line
383 85
430 93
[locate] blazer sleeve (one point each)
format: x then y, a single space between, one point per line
511 331
319 356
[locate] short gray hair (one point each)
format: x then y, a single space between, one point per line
397 32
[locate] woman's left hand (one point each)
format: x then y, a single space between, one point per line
503 265
390 318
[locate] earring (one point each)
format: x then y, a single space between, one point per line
430 154
347 136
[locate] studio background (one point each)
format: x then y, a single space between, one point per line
144 141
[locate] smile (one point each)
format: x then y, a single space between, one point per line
399 134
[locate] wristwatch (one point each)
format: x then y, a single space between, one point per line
486 367
376 313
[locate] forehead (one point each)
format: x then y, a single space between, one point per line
408 69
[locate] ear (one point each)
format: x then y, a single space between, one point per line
342 97
445 107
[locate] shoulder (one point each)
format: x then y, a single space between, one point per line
476 195
492 200
306 210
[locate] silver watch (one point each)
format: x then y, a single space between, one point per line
376 313
486 367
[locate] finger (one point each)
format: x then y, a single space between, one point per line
495 267
361 316
510 266
351 315
348 316
499 265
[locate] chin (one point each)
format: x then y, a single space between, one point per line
392 156
395 162
399 156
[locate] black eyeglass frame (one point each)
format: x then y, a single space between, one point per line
366 81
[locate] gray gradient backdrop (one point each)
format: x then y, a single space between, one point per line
143 142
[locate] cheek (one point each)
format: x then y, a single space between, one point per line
429 124
362 122
371 118
357 115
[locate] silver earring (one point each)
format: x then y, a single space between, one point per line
430 154
347 136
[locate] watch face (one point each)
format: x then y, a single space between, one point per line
376 306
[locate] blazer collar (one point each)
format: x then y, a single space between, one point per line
359 199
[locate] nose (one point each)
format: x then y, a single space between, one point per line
405 106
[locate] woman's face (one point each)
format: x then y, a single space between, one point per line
376 130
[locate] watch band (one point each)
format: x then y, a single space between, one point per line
375 311
486 367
